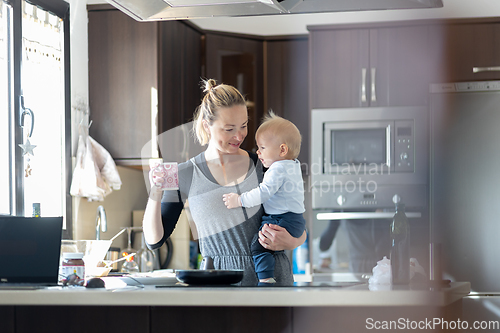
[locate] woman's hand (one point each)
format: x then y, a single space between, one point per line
276 238
156 180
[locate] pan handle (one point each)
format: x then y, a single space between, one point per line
207 263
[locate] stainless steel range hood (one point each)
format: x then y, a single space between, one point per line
153 10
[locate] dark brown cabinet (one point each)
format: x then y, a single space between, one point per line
469 50
238 61
144 73
286 84
123 81
140 74
372 66
180 71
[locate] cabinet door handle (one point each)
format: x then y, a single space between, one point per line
363 85
485 69
388 145
363 215
373 94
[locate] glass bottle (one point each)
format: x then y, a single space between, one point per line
130 264
400 246
145 257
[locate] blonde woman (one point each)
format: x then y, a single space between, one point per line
220 123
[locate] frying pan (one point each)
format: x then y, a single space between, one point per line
208 276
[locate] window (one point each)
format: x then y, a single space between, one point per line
6 184
35 108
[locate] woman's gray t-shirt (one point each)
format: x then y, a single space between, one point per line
224 234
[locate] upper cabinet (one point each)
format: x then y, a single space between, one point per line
238 61
143 80
123 81
469 49
180 72
286 84
376 66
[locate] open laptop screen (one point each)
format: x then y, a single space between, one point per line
30 249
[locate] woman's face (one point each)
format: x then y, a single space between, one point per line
229 130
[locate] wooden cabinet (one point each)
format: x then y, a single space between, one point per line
469 50
123 82
238 61
286 84
140 74
372 66
180 71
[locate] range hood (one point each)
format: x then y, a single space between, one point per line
155 10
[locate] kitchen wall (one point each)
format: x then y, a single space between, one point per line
118 206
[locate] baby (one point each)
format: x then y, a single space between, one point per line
281 191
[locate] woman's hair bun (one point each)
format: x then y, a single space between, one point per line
209 85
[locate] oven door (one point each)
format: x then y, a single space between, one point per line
358 147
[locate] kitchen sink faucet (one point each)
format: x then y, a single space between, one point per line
100 221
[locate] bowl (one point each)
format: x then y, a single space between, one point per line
91 272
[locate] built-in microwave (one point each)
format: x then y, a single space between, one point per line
369 157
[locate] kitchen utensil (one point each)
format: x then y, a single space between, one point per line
92 272
109 264
208 276
118 234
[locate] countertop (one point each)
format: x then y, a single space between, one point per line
149 295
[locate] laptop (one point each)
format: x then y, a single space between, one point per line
29 250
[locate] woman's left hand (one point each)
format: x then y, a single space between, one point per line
276 238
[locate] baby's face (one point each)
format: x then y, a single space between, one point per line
269 149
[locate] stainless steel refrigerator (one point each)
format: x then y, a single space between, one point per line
465 188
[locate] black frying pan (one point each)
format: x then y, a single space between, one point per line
209 276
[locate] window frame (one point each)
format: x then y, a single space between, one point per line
61 9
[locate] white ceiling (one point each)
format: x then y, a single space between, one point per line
293 24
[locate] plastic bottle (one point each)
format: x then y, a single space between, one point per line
400 247
36 210
301 258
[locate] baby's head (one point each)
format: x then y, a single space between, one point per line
282 134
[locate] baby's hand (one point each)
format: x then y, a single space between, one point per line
231 200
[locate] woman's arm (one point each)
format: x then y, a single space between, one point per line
276 238
151 224
160 218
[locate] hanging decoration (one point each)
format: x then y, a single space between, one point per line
27 147
27 150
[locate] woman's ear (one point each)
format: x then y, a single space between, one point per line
206 127
283 150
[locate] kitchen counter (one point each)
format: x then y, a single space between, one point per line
356 295
353 308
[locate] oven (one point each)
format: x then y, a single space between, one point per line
363 161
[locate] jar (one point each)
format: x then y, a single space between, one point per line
72 263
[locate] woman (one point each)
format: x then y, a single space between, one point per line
224 235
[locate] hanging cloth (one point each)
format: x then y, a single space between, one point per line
95 174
